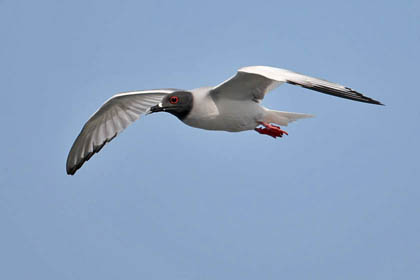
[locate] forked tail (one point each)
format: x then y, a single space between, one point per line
283 118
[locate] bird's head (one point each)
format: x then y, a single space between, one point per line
178 103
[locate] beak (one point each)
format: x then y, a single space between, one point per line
154 109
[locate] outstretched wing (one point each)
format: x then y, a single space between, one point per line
253 82
112 117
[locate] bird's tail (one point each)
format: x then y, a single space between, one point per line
283 118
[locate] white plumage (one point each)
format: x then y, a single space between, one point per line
233 105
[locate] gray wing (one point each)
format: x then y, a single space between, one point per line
254 82
112 117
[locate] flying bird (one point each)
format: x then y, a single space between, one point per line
233 105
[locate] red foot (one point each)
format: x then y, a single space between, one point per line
272 130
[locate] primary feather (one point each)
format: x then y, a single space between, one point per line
105 124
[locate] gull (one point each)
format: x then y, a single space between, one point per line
233 106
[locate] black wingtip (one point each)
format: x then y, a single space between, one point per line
360 97
71 170
376 102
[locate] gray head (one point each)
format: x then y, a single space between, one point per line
178 103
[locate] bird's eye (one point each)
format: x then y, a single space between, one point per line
173 99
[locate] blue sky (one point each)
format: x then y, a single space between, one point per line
336 199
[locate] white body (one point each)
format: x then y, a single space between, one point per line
229 115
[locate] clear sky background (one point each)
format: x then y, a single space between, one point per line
336 199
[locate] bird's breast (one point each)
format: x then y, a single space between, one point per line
225 114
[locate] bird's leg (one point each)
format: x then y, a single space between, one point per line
269 129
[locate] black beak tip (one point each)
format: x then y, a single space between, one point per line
155 109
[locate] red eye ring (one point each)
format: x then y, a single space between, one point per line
173 99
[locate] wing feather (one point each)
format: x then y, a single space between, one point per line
253 82
320 85
112 117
